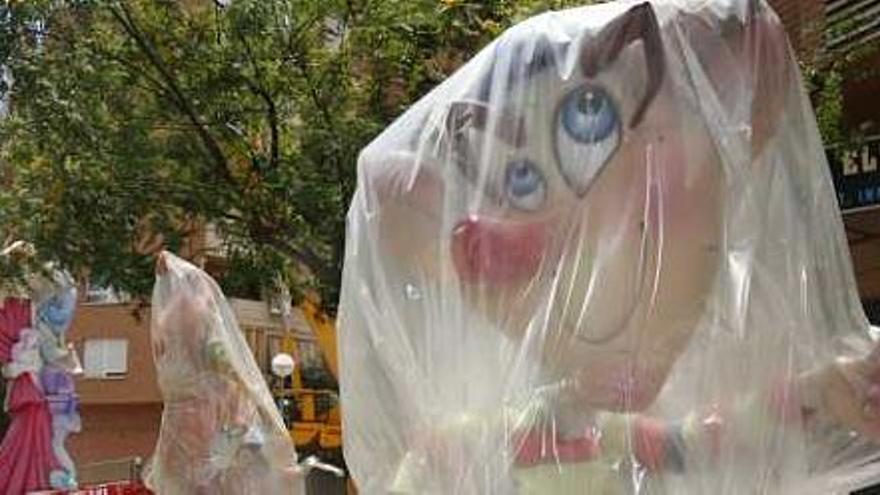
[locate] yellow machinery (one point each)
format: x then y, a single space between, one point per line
314 420
313 410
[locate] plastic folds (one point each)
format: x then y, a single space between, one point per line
221 432
605 257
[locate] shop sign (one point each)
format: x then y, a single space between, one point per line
857 175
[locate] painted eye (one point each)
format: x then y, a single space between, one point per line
524 186
588 133
589 115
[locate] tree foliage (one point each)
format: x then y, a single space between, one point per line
827 72
144 117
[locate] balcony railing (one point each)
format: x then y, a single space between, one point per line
851 23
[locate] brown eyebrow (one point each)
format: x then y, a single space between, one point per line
638 23
536 56
509 128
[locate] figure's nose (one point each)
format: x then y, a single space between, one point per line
496 252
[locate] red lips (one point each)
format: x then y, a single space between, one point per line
495 252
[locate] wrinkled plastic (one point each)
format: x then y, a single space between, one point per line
221 432
605 257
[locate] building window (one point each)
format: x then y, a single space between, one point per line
106 358
104 294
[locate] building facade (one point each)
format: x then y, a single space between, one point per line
823 32
120 402
121 406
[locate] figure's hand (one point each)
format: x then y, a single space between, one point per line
849 393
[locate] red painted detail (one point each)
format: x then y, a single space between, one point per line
649 443
495 252
116 488
537 448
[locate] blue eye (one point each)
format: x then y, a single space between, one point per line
588 134
589 115
524 185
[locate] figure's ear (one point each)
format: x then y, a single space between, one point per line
639 23
469 124
744 54
463 135
763 47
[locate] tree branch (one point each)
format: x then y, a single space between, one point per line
271 108
126 20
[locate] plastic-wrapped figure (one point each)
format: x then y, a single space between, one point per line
38 363
606 257
221 432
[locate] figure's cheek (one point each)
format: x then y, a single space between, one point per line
682 185
497 253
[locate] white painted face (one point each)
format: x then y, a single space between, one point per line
585 200
597 214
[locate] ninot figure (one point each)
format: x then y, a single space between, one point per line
221 432
605 257
55 300
39 365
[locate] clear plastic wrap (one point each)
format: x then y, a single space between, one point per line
221 432
605 257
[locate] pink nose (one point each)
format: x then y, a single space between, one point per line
497 253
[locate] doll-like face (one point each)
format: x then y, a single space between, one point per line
588 212
58 309
604 206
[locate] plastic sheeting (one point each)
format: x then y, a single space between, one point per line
221 432
605 257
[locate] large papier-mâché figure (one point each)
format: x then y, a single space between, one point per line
221 432
605 257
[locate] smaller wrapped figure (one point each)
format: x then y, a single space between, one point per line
221 432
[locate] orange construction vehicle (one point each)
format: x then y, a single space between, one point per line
309 398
